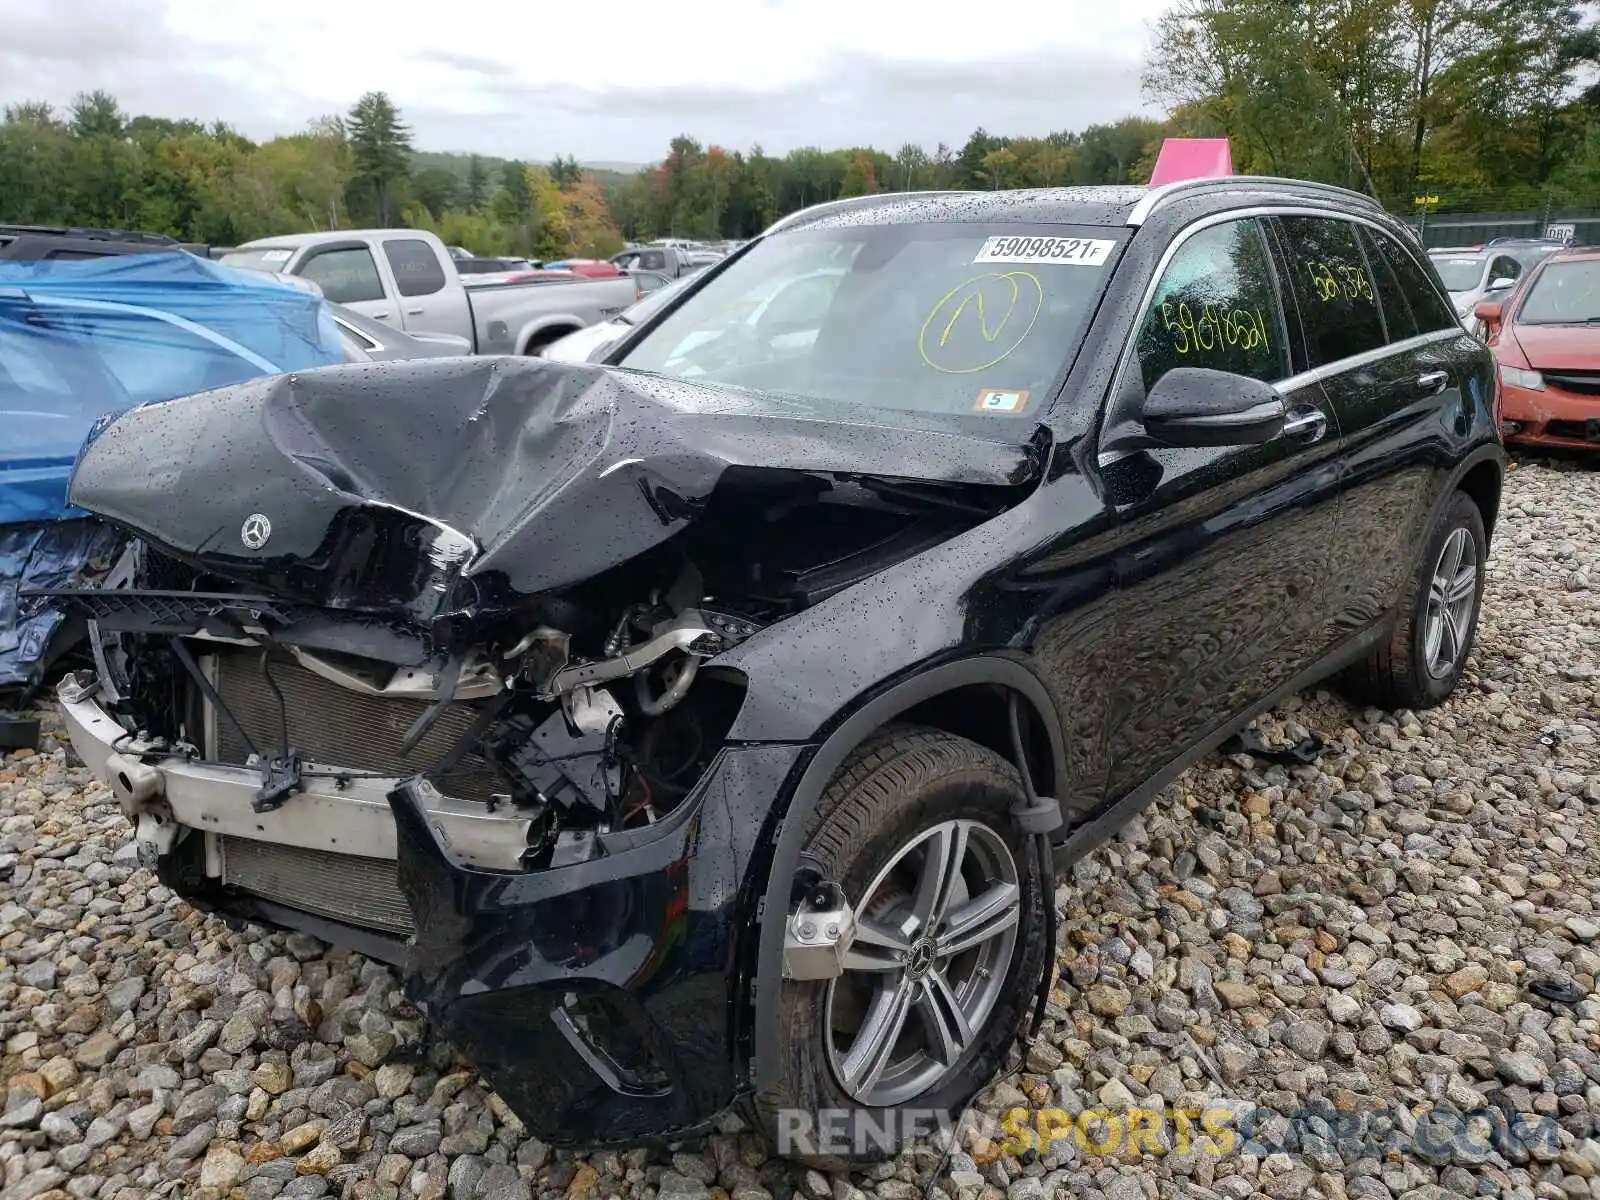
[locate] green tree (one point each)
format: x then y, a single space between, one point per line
909 162
477 184
32 112
97 114
380 149
436 189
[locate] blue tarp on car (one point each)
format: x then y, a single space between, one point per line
83 339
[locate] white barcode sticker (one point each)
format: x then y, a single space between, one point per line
1065 251
276 256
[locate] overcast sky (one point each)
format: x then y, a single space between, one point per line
600 79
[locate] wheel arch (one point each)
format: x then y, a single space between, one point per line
969 698
1483 481
545 330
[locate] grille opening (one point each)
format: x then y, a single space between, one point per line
341 887
334 726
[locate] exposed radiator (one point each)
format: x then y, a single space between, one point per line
342 887
337 727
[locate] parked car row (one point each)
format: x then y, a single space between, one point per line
1545 335
407 278
1480 273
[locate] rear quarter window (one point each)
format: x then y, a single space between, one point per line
1425 310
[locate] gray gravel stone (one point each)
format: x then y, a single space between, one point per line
680 1187
1519 1068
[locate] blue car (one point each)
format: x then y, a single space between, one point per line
81 340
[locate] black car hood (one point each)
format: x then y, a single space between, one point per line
378 486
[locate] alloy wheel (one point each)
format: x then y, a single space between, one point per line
1452 594
935 933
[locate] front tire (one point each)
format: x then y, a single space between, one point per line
1423 660
917 828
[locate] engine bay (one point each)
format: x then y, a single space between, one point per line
593 709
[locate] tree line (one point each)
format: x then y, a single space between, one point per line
95 165
1477 101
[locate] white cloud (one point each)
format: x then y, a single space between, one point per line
613 80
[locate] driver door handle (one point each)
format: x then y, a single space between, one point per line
1305 424
1431 383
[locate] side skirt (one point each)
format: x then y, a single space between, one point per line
1086 837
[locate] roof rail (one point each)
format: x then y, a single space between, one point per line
1158 196
93 234
845 203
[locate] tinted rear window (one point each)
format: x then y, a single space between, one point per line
1425 310
416 269
1338 304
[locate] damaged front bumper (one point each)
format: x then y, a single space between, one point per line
599 999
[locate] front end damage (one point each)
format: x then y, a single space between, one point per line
429 660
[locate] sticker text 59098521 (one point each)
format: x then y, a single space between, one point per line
1066 251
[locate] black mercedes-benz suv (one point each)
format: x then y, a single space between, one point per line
698 729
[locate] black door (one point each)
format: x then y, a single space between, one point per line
1384 343
1223 571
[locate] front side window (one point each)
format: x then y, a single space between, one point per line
946 317
1424 310
1216 306
416 271
1333 288
272 258
346 276
1564 293
1504 267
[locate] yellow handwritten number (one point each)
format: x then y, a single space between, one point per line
1180 338
1217 328
1349 283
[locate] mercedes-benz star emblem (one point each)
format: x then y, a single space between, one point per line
255 531
921 957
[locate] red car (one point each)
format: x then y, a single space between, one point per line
1546 342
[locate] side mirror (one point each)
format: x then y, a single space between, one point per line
1489 312
1500 284
1196 406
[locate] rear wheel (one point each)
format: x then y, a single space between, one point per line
1422 662
949 946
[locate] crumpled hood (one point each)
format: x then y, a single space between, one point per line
376 486
1557 347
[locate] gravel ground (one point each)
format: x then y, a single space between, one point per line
1366 935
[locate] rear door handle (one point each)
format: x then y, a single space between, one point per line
413 312
1305 425
1431 383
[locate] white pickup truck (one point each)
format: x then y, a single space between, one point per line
407 279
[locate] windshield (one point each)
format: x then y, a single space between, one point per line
273 259
1460 274
1565 293
653 302
939 317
